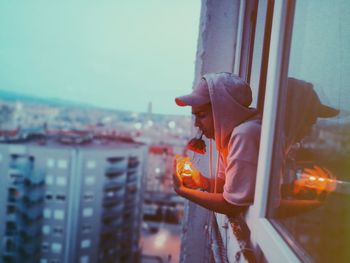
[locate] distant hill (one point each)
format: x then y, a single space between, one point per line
14 96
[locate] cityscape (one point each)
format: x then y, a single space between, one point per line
86 184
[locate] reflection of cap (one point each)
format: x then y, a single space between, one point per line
322 111
326 111
199 96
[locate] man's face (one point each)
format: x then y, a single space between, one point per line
204 119
306 129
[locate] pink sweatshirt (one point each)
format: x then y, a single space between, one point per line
237 135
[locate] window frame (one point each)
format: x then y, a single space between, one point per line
245 39
263 233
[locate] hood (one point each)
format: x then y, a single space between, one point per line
230 98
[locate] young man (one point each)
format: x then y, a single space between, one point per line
220 103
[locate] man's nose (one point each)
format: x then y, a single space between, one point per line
196 123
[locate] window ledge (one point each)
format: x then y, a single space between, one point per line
235 236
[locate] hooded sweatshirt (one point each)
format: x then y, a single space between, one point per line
237 135
303 108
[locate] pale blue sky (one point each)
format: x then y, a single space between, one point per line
114 53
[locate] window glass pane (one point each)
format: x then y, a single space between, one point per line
310 187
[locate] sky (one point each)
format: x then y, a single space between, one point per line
118 54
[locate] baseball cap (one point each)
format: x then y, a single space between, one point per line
199 96
322 110
326 111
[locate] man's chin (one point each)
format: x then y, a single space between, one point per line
209 136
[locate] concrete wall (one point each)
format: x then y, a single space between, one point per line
215 53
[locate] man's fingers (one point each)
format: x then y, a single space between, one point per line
177 180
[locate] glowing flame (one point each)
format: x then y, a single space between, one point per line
316 178
183 166
187 170
187 166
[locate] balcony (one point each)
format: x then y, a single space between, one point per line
117 166
112 226
116 182
132 176
112 214
113 194
109 239
22 163
133 163
111 203
28 194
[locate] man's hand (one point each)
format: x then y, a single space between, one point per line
187 173
178 183
315 183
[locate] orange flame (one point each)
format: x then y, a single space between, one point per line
320 179
183 165
185 169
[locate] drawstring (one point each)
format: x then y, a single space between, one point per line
216 174
211 162
211 217
211 166
211 214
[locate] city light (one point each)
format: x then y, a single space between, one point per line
161 239
171 124
317 178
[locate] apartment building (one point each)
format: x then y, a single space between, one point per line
71 202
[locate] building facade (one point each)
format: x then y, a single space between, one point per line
71 203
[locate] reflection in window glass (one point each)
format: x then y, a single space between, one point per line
310 191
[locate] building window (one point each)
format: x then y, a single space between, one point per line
11 209
88 212
62 164
58 230
61 197
58 214
310 187
47 213
50 163
90 180
88 197
49 179
48 196
84 259
61 181
46 229
85 243
86 229
44 247
56 248
91 164
13 194
16 177
10 245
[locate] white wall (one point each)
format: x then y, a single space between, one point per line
215 53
